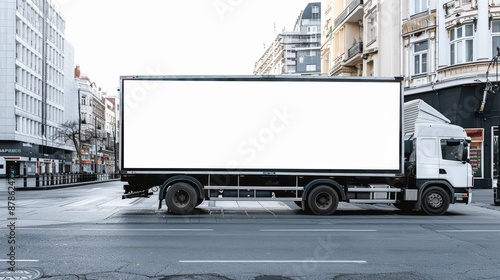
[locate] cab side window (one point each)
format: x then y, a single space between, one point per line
451 152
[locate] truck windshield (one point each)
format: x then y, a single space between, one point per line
452 151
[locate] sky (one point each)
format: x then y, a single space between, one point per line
112 38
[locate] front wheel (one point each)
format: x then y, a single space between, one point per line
181 198
435 201
323 200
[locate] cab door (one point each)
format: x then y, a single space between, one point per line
453 165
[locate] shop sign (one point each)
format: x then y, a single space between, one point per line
10 151
476 134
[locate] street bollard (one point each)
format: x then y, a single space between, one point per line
25 180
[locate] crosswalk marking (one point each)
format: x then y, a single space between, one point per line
84 202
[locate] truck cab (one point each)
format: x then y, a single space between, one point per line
439 159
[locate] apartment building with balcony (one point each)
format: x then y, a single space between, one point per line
297 51
93 123
32 87
361 38
110 141
448 47
445 49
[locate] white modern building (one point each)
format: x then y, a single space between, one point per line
32 87
297 51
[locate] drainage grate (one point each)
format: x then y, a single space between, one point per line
20 274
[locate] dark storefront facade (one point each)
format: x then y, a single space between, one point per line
21 159
462 105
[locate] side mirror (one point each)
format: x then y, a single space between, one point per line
465 158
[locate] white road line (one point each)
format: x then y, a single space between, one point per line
318 230
5 260
84 202
270 261
150 229
121 229
468 230
119 202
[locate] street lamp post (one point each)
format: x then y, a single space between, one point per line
491 88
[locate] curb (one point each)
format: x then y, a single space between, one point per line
487 206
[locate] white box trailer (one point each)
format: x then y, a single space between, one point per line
312 140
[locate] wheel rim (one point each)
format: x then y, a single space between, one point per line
435 200
323 200
181 198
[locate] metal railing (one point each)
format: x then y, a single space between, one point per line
345 13
45 180
354 50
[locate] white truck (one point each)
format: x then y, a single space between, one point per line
316 141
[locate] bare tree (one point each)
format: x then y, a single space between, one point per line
71 132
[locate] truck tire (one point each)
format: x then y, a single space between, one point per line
181 198
322 200
435 201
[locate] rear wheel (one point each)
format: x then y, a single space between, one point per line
322 200
435 201
181 198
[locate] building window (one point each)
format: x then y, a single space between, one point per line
461 46
476 150
312 29
315 13
495 36
311 67
420 50
419 6
372 27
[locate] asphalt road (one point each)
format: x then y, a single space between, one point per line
89 232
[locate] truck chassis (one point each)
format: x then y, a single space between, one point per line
317 195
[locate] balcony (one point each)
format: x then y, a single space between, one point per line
354 50
419 24
352 13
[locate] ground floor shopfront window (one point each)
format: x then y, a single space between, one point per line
494 152
476 151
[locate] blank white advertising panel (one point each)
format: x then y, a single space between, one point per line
261 125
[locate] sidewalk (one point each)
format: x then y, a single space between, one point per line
29 184
484 198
